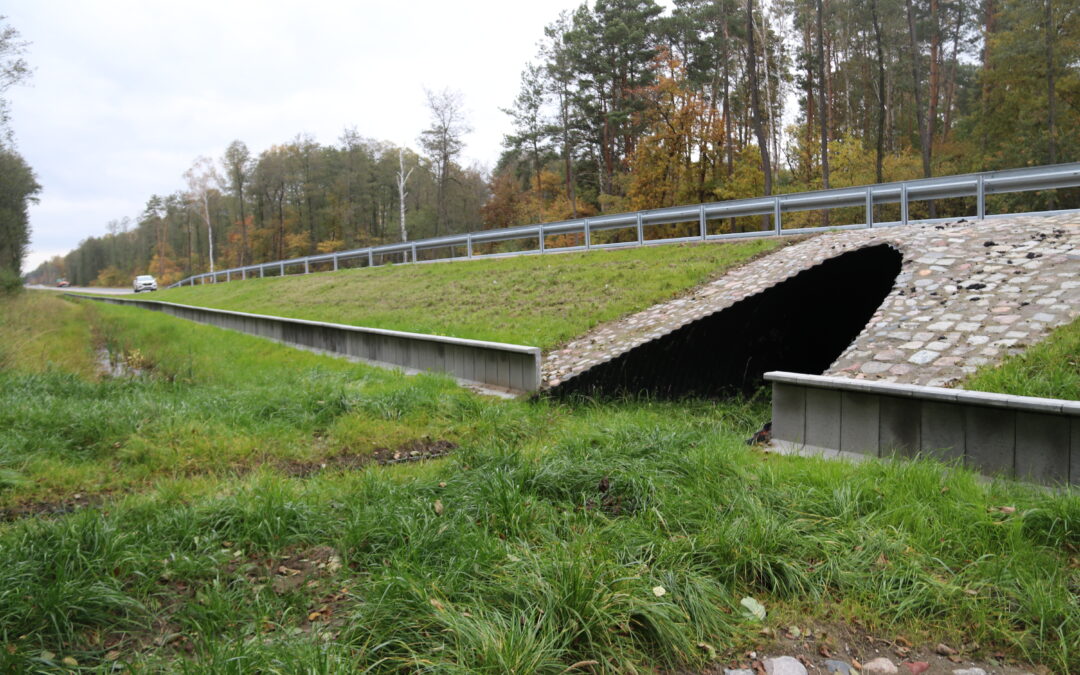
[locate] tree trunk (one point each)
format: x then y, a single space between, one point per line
950 86
755 99
935 71
729 152
1051 114
403 177
209 229
989 27
880 150
924 139
823 104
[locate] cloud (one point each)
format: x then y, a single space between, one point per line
127 93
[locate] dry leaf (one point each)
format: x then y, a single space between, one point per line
438 507
70 662
436 604
659 591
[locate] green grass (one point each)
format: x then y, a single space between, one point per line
1049 369
508 556
41 332
533 300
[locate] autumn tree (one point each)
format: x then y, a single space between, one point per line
236 164
443 141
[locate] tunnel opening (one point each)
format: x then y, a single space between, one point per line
800 325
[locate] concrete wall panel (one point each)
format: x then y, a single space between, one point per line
512 367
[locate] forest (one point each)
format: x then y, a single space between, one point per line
628 106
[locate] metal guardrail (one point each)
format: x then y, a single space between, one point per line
978 185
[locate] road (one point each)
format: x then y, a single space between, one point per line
78 289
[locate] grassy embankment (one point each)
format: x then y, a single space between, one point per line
624 534
531 300
1050 369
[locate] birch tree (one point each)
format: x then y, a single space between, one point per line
200 178
402 178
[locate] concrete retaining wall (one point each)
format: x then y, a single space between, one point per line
1029 438
514 368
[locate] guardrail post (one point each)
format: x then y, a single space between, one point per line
282 269
869 207
335 262
243 274
903 204
777 223
228 276
468 245
981 199
370 258
640 230
702 222
262 269
588 238
414 252
307 270
541 238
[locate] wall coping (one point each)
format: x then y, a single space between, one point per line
979 398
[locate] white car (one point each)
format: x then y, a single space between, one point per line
145 282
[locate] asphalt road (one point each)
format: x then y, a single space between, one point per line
78 289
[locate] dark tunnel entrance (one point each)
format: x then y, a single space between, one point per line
801 325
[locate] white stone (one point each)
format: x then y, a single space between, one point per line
880 666
923 357
784 665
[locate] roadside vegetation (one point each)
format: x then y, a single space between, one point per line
218 504
532 300
1049 369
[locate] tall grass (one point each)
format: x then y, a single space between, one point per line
1050 369
619 536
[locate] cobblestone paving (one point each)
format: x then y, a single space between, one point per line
968 294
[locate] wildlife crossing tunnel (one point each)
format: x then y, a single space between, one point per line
801 324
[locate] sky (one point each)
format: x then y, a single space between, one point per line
126 94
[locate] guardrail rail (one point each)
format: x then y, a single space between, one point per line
978 185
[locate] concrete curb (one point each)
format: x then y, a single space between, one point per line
1018 436
514 368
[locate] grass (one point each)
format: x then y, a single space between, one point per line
533 300
539 544
1049 369
41 332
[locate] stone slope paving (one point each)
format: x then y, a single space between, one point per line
968 294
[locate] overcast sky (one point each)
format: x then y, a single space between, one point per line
127 93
